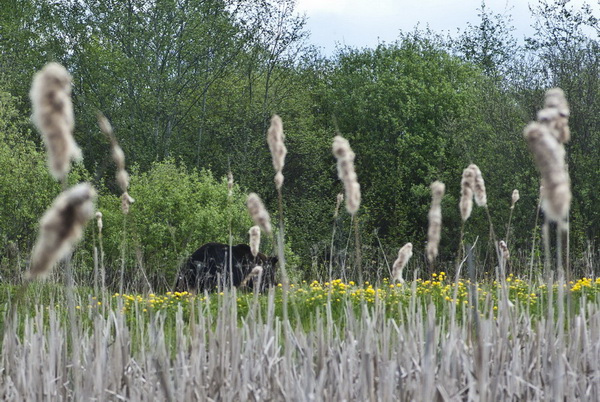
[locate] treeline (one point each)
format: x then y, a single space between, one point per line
190 85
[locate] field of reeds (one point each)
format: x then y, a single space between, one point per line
419 335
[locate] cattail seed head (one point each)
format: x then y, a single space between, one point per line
275 139
99 221
256 273
61 227
254 233
53 115
404 254
435 220
549 156
467 184
345 165
229 183
259 214
126 201
515 198
504 250
118 156
479 187
123 180
278 180
556 114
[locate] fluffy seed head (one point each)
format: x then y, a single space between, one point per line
556 114
345 165
254 233
99 221
504 250
254 274
278 180
435 220
123 180
515 198
404 254
257 211
61 227
126 201
275 139
467 184
229 183
53 116
549 156
479 187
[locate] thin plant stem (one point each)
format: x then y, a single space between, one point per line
537 215
357 250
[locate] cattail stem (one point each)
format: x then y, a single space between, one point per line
358 262
537 215
123 254
285 282
546 240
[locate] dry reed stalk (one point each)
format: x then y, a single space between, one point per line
61 227
345 164
549 155
404 254
99 222
254 233
259 214
275 138
338 202
53 115
435 220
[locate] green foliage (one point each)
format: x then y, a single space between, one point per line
175 211
26 187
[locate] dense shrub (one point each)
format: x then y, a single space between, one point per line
175 211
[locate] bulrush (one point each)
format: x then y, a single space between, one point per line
259 214
404 254
435 220
504 250
119 158
229 184
254 233
126 201
275 139
99 221
549 155
53 115
466 193
345 165
478 186
254 274
556 114
515 198
61 227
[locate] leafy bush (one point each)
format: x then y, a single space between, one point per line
26 187
175 211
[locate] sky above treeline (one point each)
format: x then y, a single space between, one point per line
365 23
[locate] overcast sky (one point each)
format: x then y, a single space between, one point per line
365 23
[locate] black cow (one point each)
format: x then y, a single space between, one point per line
208 268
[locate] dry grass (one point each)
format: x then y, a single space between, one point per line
370 357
